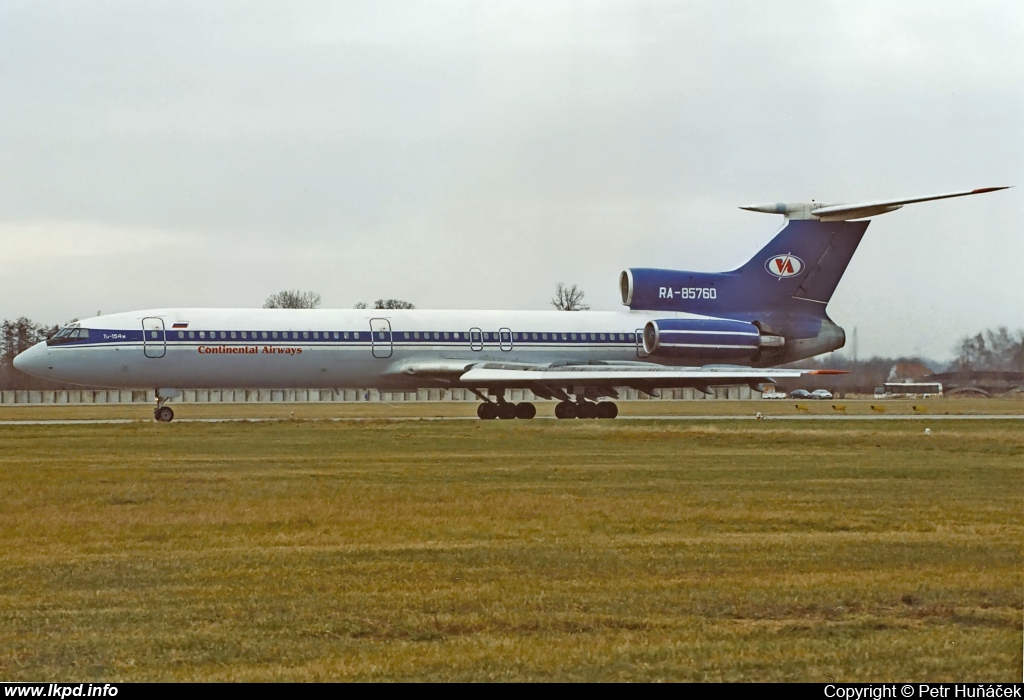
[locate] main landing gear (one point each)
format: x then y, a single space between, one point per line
586 409
505 410
489 410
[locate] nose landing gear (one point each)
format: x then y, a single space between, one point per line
164 414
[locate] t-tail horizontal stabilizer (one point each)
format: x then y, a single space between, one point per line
815 211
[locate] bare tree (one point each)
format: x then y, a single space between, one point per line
569 299
360 305
392 304
998 350
292 299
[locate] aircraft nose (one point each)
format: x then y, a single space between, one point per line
33 361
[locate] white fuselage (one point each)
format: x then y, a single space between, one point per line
269 348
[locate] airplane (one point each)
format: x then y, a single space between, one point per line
680 329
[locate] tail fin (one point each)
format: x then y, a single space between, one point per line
804 261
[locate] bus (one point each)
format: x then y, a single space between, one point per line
908 390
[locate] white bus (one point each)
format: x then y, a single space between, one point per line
908 390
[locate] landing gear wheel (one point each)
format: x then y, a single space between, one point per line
163 414
526 410
506 411
487 411
586 409
565 409
607 409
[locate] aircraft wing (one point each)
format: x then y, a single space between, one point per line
645 376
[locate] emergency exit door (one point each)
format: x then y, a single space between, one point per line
154 337
380 337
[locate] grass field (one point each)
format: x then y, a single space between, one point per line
540 550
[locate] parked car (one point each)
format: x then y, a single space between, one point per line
800 394
821 394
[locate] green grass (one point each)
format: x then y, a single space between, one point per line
600 550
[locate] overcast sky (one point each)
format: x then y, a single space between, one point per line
473 154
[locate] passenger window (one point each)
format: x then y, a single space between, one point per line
603 336
152 334
346 335
83 332
273 335
223 335
416 335
593 337
437 336
337 335
202 334
534 336
181 334
487 336
544 336
447 336
233 335
191 335
573 336
563 337
456 336
244 335
316 336
264 335
515 336
295 335
404 335
381 334
356 335
305 335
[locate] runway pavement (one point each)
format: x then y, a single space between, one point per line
802 417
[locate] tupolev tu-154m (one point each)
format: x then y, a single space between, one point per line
680 329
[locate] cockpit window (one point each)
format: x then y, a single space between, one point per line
68 335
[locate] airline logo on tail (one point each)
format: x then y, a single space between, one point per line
784 265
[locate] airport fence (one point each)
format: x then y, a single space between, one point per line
127 396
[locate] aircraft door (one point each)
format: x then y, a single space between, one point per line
380 337
154 337
505 339
640 352
476 339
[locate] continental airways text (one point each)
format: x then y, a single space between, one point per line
247 350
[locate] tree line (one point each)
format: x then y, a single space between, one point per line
991 350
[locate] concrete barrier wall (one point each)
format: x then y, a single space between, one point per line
101 396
